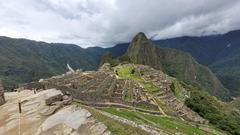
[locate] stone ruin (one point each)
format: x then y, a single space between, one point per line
104 88
167 97
2 98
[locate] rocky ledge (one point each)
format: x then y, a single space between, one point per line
46 112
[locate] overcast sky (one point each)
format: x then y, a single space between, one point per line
107 22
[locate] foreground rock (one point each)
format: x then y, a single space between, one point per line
66 119
2 98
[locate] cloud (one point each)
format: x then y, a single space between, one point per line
107 22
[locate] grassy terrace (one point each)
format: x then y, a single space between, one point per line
127 73
116 127
169 125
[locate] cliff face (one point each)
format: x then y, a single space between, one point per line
175 63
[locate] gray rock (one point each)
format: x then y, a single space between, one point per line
67 100
52 99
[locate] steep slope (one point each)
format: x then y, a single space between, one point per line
175 63
219 52
25 60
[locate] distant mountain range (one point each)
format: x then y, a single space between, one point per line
24 60
221 53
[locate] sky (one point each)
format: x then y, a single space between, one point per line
108 22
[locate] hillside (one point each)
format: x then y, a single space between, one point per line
219 52
175 63
24 60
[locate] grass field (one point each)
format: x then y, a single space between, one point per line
170 125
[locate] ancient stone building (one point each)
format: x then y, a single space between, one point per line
2 98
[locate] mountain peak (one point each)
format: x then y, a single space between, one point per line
140 37
141 49
139 41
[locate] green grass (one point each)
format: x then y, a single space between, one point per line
116 127
169 125
150 87
147 106
126 72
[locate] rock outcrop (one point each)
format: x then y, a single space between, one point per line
67 120
53 98
55 101
2 98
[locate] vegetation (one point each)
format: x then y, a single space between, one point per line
117 128
236 103
127 72
179 91
170 125
176 63
220 53
218 113
25 60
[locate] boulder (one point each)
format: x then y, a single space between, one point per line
52 99
49 110
67 100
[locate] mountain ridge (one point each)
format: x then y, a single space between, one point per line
176 63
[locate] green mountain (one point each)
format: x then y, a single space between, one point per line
24 60
219 52
175 63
